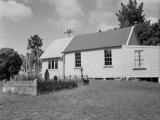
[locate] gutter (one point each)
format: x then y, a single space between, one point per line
73 51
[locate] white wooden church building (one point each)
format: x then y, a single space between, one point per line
108 54
52 58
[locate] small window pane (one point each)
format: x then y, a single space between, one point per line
49 65
56 64
108 57
77 59
138 59
52 64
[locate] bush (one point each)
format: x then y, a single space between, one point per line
47 77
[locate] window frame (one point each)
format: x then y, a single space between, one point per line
53 64
108 57
138 61
49 65
56 64
77 59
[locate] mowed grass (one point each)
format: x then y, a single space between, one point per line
100 100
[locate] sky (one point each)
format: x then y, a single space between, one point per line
20 19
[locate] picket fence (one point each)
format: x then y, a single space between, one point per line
20 87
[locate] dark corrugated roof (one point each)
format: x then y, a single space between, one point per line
110 38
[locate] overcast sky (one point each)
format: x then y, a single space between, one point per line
19 19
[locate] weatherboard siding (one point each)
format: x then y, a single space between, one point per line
52 72
151 56
44 67
93 64
70 65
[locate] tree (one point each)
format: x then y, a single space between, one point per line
34 44
156 32
130 14
143 32
10 63
148 34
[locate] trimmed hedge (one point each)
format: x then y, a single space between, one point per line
47 86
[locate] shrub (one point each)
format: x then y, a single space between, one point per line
47 75
47 86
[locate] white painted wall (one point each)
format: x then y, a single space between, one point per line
44 67
70 65
151 56
53 72
93 64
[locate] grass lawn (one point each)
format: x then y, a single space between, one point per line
101 100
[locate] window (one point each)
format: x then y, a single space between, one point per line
138 59
107 57
78 59
49 65
56 64
53 64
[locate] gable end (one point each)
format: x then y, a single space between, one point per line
132 39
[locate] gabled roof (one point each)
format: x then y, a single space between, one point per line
110 38
56 48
